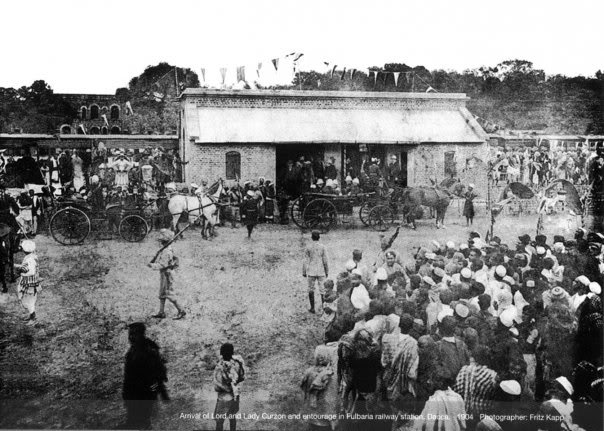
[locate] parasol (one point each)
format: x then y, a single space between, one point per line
521 191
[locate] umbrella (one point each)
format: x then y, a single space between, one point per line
521 191
448 182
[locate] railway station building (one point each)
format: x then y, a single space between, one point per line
248 134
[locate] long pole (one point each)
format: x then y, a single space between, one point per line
489 172
176 80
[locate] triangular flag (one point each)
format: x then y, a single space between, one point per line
223 71
352 73
396 75
276 63
430 90
333 70
83 128
258 69
375 77
104 117
343 73
241 73
203 75
129 108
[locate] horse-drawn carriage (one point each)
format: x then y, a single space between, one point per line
321 211
75 219
379 210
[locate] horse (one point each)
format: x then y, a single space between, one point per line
202 206
431 197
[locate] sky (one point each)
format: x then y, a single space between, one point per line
80 46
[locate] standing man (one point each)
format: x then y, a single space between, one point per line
250 211
8 209
36 209
144 378
315 268
166 263
228 376
393 171
331 172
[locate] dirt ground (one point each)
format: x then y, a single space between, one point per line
66 372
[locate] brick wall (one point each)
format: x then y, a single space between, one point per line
428 160
208 161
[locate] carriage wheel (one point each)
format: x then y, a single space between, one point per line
133 228
381 218
320 214
364 213
69 226
296 213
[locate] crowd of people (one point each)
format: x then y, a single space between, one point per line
537 167
478 335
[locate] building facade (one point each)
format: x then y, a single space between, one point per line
99 114
249 134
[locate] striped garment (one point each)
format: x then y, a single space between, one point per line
476 384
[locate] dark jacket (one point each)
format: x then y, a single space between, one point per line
144 372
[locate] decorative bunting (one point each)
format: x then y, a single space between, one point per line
223 72
396 75
276 63
343 73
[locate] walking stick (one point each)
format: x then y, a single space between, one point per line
170 242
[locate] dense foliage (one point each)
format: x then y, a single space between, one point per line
512 95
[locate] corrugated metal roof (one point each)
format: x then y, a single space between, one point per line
290 125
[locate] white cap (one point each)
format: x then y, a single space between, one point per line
355 181
583 280
320 181
501 271
462 310
381 274
450 244
94 179
435 243
428 280
566 384
28 246
463 246
514 332
466 273
511 387
350 265
348 178
471 185
594 287
444 313
250 193
507 317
